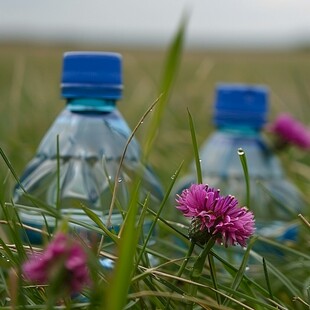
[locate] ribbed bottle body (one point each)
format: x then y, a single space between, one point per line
81 167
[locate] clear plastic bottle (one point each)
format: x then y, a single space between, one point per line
92 135
240 112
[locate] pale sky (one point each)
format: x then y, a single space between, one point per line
211 22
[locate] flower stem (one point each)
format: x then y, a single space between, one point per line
197 269
185 261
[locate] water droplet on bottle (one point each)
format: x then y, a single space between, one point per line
247 268
120 180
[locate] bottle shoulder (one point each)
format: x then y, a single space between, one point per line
219 155
91 134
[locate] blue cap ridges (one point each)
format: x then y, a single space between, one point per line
92 75
241 104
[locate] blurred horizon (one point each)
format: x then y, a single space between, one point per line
237 24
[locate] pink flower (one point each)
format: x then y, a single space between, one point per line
291 131
64 259
215 216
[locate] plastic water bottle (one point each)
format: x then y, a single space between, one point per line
91 135
240 112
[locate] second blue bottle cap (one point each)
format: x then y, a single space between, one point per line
241 104
92 75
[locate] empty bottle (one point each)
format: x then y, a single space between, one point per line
240 112
91 133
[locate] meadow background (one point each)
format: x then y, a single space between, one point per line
30 98
30 101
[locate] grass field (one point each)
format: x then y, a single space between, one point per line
30 101
30 95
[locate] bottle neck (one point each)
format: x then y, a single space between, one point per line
90 104
239 129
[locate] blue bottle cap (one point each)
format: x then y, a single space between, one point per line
92 75
241 104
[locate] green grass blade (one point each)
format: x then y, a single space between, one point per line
279 275
241 270
243 160
195 147
267 278
169 75
117 292
198 268
213 277
115 187
158 213
96 219
8 252
9 165
58 177
140 227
